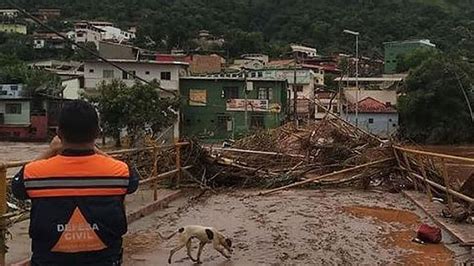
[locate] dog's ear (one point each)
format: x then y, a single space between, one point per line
228 242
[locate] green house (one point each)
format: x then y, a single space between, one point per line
393 51
217 108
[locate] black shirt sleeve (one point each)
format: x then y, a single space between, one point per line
18 186
134 180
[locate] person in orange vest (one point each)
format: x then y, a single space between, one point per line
77 194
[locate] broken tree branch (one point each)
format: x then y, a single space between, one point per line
363 166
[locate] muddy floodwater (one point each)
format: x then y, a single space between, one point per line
297 227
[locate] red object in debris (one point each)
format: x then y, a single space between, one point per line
429 234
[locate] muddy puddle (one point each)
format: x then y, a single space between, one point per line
401 229
298 227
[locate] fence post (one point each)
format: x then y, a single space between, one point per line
3 211
425 177
447 184
407 162
178 164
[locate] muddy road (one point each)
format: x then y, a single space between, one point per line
297 227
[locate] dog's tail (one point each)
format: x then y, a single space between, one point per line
170 236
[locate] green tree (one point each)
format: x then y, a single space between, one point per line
415 58
136 109
435 105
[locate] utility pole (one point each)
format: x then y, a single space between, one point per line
245 101
357 80
356 34
295 90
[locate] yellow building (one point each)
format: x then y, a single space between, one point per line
13 28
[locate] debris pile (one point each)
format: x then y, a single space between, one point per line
290 153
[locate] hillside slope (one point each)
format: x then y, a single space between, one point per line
252 25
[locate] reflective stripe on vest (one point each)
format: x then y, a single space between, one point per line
63 176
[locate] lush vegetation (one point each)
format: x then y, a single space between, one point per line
36 82
269 25
138 109
435 106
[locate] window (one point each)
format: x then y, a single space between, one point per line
165 75
334 109
3 92
371 120
91 70
257 122
299 88
80 35
108 74
224 123
14 87
265 94
260 74
231 93
13 108
147 72
125 75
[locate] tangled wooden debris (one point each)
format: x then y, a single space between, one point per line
291 154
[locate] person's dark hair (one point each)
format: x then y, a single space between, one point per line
78 122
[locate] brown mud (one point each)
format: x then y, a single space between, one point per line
296 227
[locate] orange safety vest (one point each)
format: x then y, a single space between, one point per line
77 206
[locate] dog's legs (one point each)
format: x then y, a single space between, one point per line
221 250
201 246
174 250
188 247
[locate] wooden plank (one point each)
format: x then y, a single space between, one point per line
152 207
438 186
359 167
260 152
439 155
462 232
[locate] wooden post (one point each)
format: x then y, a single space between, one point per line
154 173
178 165
3 211
407 162
425 177
447 184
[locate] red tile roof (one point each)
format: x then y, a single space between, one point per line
371 105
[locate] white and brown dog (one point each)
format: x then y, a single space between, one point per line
204 235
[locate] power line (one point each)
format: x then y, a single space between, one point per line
85 48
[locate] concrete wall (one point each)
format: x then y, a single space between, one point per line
116 51
94 73
16 119
202 121
72 90
383 124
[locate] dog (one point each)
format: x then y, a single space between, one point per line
204 235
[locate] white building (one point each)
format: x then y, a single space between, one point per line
86 32
167 73
115 34
10 13
96 31
304 51
11 90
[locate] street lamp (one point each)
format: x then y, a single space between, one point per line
356 34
